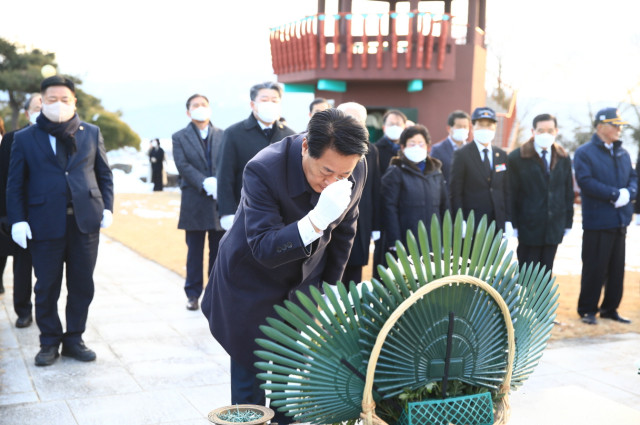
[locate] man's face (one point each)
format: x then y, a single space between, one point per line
55 94
265 95
35 105
459 123
484 124
197 102
545 127
609 133
394 120
318 107
329 168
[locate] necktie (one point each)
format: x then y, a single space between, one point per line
545 162
487 164
61 153
267 133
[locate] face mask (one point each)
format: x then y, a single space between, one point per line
484 137
33 117
201 113
58 111
268 112
154 144
415 154
393 132
544 141
460 134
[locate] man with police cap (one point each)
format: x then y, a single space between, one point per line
608 183
479 175
59 194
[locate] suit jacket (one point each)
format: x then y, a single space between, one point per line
385 151
198 211
541 205
472 190
241 142
7 246
444 152
38 186
261 260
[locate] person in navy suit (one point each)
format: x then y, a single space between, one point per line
458 125
293 229
479 175
59 194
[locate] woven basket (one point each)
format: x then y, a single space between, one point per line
502 410
266 413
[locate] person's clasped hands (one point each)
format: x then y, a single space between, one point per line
210 185
623 198
332 203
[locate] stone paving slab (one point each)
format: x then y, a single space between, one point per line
158 364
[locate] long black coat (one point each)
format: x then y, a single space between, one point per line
386 151
198 211
7 246
241 142
471 190
541 206
262 261
369 218
410 195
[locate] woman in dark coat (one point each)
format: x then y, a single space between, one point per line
413 187
156 157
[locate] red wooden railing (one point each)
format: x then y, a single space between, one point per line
303 45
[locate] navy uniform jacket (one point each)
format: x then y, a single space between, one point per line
471 190
37 186
261 260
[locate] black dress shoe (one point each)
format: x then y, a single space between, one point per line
23 322
47 355
78 351
615 316
192 303
589 319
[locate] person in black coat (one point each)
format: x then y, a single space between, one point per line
541 184
293 230
458 125
413 188
479 175
369 218
156 159
22 281
59 195
244 139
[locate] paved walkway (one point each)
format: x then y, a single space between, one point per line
158 364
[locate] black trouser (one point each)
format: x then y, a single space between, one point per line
245 389
77 252
22 283
195 256
543 254
603 254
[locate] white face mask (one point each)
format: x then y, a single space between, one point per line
544 141
58 111
415 153
154 144
393 132
460 134
268 112
201 113
33 117
483 136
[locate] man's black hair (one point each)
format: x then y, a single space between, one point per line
334 129
455 115
193 96
544 117
253 93
409 132
317 101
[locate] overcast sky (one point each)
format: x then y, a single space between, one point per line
145 59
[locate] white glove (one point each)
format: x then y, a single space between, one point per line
375 235
226 221
20 232
107 219
623 198
637 219
515 232
210 185
334 199
508 230
566 232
